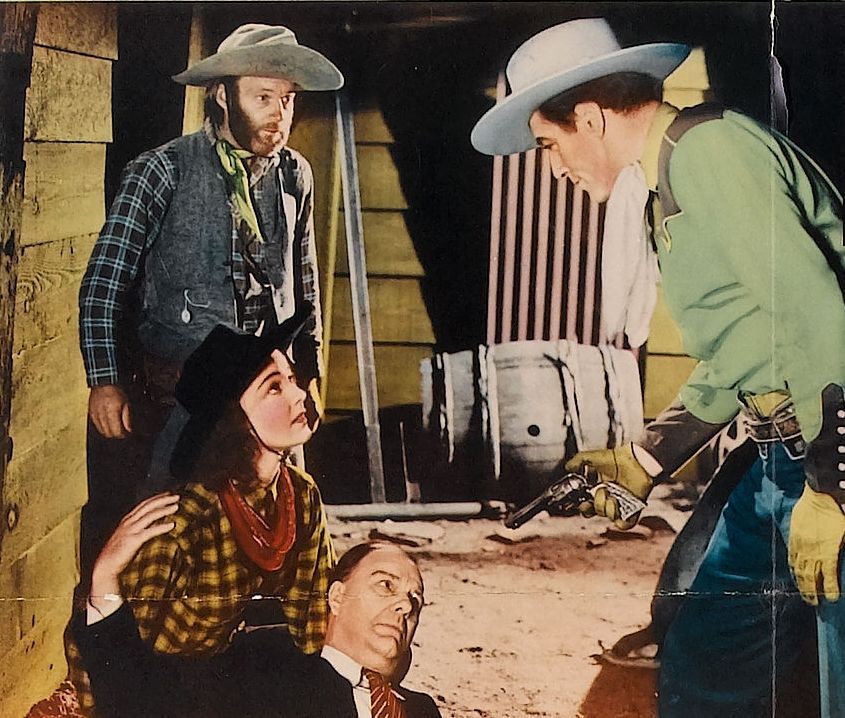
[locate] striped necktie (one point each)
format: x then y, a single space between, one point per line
383 701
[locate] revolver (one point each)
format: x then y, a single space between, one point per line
568 492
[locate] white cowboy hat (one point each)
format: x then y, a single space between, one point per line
558 59
265 51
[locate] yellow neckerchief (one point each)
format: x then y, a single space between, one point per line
663 117
232 160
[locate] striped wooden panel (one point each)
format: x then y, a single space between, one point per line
545 254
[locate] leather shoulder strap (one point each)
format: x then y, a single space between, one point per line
687 118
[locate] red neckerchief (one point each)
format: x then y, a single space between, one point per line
266 546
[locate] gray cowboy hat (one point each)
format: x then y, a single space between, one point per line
558 59
265 51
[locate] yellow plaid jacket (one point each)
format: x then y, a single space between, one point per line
189 587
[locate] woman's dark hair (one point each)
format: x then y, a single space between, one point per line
228 452
621 91
212 109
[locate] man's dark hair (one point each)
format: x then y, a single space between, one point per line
212 109
228 452
350 560
621 91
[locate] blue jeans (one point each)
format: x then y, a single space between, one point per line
736 640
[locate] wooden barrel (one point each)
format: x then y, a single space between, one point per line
515 412
451 402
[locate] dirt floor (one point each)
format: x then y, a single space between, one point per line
514 619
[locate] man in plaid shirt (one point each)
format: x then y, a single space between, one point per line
212 228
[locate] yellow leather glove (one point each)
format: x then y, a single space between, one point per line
613 466
816 535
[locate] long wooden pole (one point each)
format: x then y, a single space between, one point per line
360 297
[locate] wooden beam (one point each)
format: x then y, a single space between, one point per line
70 98
397 372
360 299
63 192
17 32
48 286
83 27
194 112
399 313
390 249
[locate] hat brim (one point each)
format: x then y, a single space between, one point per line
193 385
307 68
503 130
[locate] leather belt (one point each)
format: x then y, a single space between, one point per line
780 426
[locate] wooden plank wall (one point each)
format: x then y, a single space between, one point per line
402 332
68 124
314 134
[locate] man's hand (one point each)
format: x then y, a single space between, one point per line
816 535
108 407
613 466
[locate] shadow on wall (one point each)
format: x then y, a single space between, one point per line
337 457
430 96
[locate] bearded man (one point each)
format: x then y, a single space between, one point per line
211 228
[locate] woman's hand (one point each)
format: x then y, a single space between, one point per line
140 525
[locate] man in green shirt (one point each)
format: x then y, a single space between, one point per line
748 233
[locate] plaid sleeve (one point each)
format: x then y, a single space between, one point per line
305 605
154 577
308 256
145 190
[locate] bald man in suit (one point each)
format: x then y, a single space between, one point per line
375 598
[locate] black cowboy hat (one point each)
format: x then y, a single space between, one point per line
221 368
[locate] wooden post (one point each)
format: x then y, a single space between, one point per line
360 296
17 32
194 111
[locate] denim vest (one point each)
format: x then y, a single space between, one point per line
188 286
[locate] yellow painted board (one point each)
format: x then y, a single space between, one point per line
370 126
379 179
387 244
44 486
193 111
397 310
664 376
69 98
63 191
48 391
681 98
32 667
397 375
10 629
47 290
315 136
47 571
664 337
691 74
86 28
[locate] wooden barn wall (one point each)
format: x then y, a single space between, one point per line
402 331
68 125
